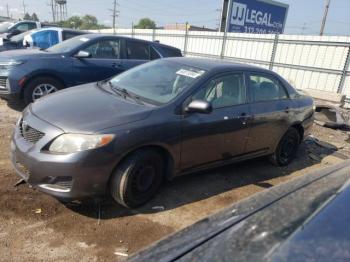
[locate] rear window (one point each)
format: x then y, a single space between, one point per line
69 34
137 50
171 52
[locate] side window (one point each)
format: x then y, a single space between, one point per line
67 35
228 90
137 50
264 88
45 39
23 27
31 26
154 54
105 49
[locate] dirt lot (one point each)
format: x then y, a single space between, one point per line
36 227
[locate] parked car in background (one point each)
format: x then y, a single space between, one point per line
21 27
31 74
39 38
159 120
47 37
14 42
4 26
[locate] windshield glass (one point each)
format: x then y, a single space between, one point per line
4 27
20 37
159 81
68 45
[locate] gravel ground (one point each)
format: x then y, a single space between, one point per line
36 227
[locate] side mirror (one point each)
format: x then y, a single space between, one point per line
199 106
82 54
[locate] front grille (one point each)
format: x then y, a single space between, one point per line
3 82
29 133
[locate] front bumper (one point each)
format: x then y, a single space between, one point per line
66 176
9 89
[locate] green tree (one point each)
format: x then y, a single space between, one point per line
145 23
89 22
27 17
35 17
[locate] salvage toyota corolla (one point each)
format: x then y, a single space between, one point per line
169 117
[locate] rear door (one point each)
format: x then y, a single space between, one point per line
272 111
135 53
104 62
223 133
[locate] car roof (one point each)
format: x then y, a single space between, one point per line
213 64
97 35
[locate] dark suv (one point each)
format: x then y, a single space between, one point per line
31 74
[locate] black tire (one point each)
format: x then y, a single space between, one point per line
287 148
137 178
29 88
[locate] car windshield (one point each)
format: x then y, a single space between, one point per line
20 37
4 27
157 82
68 45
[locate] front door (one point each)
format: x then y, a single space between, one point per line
221 134
104 62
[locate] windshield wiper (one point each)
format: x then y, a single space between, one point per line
125 93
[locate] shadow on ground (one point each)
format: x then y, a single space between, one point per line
200 186
17 105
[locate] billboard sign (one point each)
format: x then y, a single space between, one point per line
256 16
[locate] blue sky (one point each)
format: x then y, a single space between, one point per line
304 15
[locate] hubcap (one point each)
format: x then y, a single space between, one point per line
144 178
288 148
42 90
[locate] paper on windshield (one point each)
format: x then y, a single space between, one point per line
189 73
84 39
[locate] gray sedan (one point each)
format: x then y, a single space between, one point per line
166 118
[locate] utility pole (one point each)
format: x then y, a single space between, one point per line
115 14
219 10
8 10
324 16
303 28
53 10
24 8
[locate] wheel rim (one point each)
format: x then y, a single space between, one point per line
144 178
288 148
43 90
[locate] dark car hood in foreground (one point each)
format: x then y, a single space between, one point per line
306 219
87 108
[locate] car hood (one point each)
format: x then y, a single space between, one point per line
25 54
87 109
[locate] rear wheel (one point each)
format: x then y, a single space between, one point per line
287 148
39 87
137 178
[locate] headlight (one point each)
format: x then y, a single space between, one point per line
70 143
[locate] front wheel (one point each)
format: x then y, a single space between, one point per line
39 87
287 148
137 178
